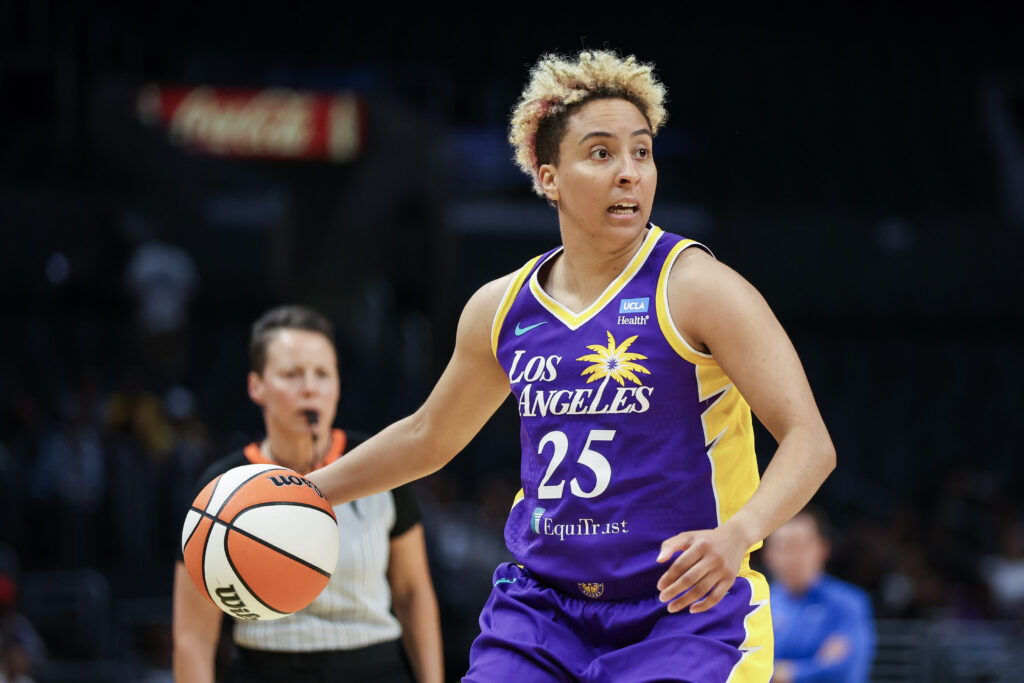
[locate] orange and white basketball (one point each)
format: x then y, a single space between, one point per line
260 542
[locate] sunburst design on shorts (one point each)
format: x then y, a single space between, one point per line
591 589
614 362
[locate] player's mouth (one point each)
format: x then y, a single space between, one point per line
624 209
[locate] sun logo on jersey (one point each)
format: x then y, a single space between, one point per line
614 361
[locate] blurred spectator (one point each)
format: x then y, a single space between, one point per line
176 478
10 497
963 527
162 278
145 491
14 663
912 588
823 626
1004 573
69 482
136 412
21 648
18 458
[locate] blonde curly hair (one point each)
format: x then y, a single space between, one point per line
560 85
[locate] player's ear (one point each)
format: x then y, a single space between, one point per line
255 384
547 176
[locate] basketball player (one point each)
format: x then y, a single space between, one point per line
633 356
348 633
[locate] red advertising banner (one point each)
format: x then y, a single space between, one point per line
272 123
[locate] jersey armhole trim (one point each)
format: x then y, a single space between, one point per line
668 326
506 301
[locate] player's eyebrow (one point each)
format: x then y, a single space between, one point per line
603 134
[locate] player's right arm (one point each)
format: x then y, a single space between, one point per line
196 630
471 388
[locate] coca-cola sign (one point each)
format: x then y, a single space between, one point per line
273 123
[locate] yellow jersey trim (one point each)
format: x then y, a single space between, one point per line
668 326
520 496
757 659
574 320
506 302
734 475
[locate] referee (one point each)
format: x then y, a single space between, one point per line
377 619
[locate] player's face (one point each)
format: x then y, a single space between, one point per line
301 374
605 177
796 554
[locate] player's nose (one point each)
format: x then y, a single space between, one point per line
629 171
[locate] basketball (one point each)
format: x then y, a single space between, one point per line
260 542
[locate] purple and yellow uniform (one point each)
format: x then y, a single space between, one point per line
629 436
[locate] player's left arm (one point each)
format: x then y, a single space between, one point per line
415 605
719 312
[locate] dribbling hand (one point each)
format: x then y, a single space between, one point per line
703 572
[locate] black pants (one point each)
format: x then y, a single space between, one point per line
381 663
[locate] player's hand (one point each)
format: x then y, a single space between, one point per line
705 569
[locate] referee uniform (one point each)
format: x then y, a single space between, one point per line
349 632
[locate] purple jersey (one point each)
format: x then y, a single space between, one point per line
629 435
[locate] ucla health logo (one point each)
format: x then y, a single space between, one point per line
632 306
634 311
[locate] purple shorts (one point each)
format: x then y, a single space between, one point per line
530 633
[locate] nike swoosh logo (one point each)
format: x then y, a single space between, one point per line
524 330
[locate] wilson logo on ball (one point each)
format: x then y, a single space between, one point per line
233 604
292 480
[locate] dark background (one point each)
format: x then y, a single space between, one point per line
864 171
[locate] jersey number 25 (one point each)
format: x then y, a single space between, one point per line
589 458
